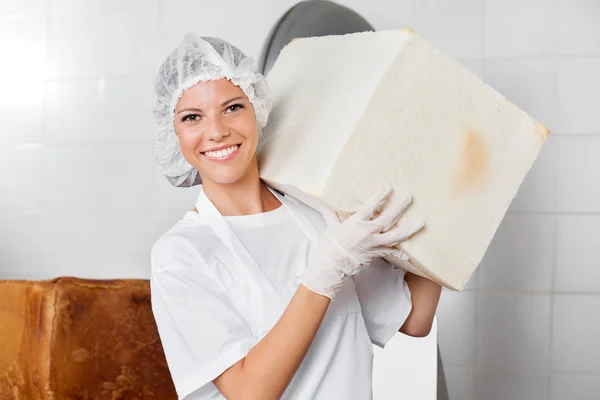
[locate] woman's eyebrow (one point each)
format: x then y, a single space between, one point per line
222 105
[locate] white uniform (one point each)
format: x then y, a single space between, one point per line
219 284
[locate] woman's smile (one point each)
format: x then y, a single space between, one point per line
223 155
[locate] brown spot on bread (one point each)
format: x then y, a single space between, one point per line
473 163
80 354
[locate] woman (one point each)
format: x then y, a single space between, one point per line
256 295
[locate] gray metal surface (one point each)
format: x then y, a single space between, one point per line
306 19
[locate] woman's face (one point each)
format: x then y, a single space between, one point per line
216 127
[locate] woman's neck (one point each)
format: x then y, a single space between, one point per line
244 197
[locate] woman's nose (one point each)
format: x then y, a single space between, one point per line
217 129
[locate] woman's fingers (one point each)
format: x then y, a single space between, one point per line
393 211
367 209
329 215
393 253
399 233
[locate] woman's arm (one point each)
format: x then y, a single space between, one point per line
343 249
425 296
269 367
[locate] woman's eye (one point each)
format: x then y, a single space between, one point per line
235 107
191 118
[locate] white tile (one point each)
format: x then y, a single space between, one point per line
179 17
456 328
384 14
74 7
459 382
129 41
120 245
20 177
579 95
22 266
67 242
19 232
513 332
23 125
98 176
74 46
20 243
20 30
580 387
456 27
521 255
575 334
233 17
129 5
521 28
578 253
579 30
97 244
511 386
73 110
529 83
170 198
22 72
127 109
539 190
578 177
10 9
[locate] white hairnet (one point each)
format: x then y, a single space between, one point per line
200 59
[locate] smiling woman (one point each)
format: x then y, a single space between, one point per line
242 287
207 91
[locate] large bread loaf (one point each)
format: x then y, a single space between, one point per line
70 338
353 111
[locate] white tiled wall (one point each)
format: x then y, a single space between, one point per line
508 385
80 195
520 28
577 260
572 386
513 332
578 99
575 333
510 257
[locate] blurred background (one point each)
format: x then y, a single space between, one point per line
80 194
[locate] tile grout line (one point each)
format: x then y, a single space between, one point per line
556 213
507 371
552 302
539 292
541 56
555 244
50 21
575 134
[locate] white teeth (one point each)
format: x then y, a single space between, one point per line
221 153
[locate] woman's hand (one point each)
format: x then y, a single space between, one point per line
346 246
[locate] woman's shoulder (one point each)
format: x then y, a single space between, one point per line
190 221
183 244
311 213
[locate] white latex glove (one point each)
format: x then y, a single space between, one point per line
346 246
